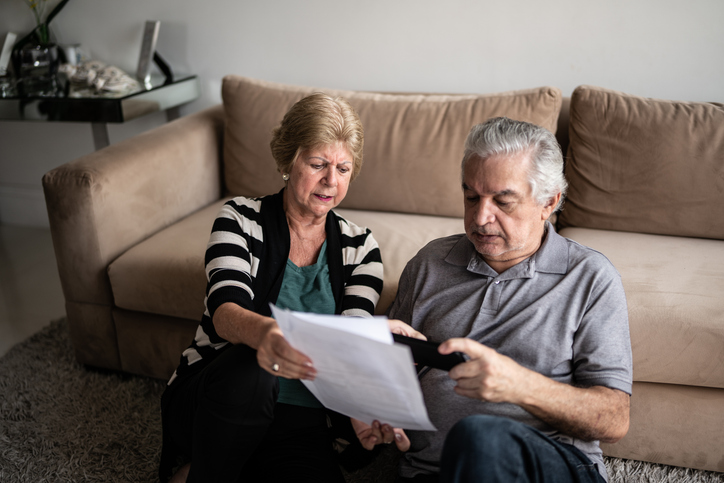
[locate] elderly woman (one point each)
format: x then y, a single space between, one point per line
235 409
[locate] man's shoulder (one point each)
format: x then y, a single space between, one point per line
439 248
435 255
582 256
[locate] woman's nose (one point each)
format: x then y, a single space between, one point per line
331 177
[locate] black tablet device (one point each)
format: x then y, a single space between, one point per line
425 353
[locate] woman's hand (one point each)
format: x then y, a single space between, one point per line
378 433
242 326
401 328
276 356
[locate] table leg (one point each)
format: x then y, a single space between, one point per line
173 113
100 135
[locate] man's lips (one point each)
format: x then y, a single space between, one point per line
485 238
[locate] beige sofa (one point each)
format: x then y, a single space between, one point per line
647 190
130 225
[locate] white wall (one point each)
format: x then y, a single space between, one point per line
655 48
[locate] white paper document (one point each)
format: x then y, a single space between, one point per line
361 373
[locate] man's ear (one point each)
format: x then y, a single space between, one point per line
550 206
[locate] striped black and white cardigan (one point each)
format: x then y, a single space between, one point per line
245 262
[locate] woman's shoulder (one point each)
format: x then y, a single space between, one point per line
239 202
252 207
350 228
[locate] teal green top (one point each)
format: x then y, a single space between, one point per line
305 289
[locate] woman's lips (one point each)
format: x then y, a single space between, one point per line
323 197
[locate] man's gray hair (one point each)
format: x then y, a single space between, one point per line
503 136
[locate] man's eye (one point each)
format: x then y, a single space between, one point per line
503 204
472 199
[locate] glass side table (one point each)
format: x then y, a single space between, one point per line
99 109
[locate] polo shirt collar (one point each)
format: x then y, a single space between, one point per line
551 257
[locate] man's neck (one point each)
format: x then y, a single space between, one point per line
501 266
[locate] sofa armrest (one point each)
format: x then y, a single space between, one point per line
106 202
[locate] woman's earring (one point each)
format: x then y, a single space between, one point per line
285 176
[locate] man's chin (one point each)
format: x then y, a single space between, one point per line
489 252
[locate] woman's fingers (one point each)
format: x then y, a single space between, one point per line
401 328
372 435
401 440
276 356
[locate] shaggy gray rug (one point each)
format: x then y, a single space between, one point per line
63 422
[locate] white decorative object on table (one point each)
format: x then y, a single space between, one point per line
98 76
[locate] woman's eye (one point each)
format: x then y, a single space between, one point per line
503 203
344 170
317 166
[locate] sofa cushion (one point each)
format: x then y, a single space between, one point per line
674 288
413 142
400 237
164 274
645 165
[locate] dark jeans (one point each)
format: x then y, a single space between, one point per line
224 420
494 449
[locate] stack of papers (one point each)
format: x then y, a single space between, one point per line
361 373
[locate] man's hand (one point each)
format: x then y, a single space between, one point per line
488 375
587 413
370 436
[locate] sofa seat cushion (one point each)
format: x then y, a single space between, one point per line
413 142
674 288
400 237
164 274
645 165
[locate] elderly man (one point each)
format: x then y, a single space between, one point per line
542 318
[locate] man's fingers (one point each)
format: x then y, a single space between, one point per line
466 346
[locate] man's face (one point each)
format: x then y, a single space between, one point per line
502 219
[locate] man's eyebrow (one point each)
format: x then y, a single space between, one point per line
506 192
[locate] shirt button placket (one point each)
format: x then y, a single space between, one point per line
491 301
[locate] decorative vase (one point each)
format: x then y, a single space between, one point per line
38 70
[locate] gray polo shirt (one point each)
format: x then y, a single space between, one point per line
562 313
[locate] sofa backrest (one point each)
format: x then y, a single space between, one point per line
413 142
645 165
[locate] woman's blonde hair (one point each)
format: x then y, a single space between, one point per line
317 120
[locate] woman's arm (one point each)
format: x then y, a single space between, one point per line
363 287
241 326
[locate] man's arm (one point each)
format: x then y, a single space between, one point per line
584 413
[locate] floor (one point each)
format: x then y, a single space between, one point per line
30 292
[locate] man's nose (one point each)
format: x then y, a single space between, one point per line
484 213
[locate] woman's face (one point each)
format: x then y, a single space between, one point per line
318 180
